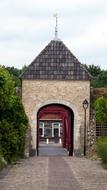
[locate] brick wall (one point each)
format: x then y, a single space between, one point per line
37 93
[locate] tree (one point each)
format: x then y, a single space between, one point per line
13 120
93 70
99 77
100 80
15 73
6 89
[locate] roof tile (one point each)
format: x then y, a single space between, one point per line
56 62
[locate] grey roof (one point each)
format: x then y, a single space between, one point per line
56 62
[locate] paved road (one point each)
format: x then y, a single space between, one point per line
49 150
55 173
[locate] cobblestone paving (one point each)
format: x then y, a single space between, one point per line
60 175
52 151
89 174
55 173
31 174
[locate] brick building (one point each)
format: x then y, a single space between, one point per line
54 87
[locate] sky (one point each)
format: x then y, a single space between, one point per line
27 26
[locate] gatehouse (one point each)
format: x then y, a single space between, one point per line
54 87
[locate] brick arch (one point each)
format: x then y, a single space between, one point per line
61 102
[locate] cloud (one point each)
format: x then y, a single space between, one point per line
26 26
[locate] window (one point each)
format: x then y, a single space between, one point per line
41 129
56 130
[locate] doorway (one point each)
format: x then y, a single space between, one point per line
55 128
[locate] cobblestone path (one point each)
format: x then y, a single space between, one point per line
60 175
55 173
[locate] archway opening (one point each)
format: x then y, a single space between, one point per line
55 127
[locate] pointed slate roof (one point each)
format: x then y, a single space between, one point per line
56 62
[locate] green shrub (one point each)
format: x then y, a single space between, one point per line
13 120
12 140
101 110
102 149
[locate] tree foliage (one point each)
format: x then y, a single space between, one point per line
6 89
99 77
100 80
13 120
15 72
93 70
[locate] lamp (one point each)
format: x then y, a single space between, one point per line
85 106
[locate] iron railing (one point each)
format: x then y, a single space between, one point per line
101 130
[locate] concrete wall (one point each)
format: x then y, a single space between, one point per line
38 93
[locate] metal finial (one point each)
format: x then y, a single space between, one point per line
56 27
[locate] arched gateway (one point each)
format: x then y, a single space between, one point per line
56 126
54 87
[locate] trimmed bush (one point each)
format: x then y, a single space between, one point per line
102 149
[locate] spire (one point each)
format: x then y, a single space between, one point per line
56 28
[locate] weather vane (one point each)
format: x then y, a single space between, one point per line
56 26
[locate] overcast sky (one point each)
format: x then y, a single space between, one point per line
26 26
